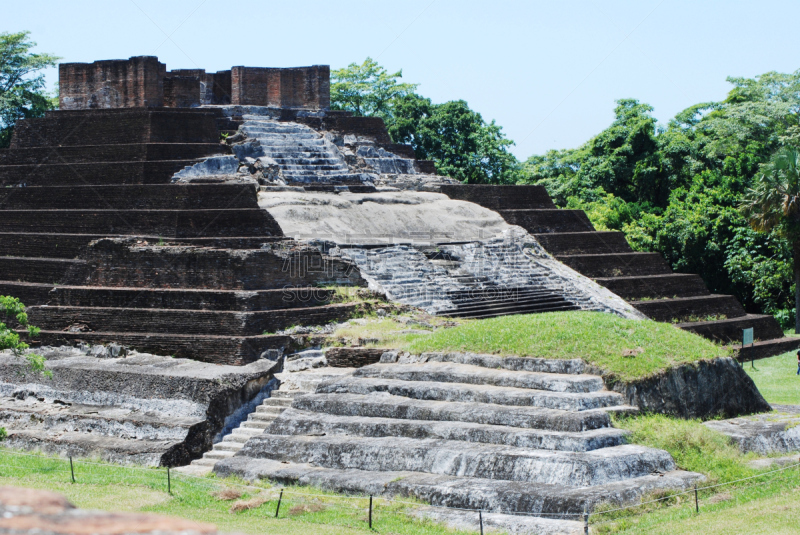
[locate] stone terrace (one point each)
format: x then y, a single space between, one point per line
102 247
643 279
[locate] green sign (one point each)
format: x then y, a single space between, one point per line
747 336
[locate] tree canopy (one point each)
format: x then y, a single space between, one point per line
676 188
22 93
460 142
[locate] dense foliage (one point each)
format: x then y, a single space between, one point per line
677 189
22 93
461 143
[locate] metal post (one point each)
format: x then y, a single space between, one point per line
480 520
696 501
280 497
71 469
585 521
370 511
169 483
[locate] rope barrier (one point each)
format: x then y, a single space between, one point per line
391 501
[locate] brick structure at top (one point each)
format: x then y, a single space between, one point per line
144 82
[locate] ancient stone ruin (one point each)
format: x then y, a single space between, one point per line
166 229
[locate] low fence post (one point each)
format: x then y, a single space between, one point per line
278 508
696 501
586 521
370 511
169 482
480 520
71 469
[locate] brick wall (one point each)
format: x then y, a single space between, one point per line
299 87
143 81
182 91
117 83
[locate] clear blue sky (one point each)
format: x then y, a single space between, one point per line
547 71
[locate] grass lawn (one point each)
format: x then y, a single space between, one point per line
765 504
776 378
304 510
629 349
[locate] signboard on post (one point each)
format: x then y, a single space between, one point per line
747 336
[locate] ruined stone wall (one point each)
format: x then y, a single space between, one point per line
118 83
300 87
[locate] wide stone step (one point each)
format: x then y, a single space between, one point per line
464 459
39 245
38 270
165 321
542 221
767 348
130 197
218 454
500 197
691 308
473 393
92 173
110 153
491 310
271 403
527 364
461 492
572 243
445 372
617 264
233 350
30 293
382 405
297 422
228 446
110 421
266 415
764 327
287 394
656 286
165 223
188 299
89 445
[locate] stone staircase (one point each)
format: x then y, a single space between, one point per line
643 279
293 384
475 280
504 435
303 154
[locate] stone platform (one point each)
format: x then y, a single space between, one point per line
504 435
141 409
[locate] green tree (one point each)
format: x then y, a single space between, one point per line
367 89
459 141
456 138
774 204
22 92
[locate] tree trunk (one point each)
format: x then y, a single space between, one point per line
796 261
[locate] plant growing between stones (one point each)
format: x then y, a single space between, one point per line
10 339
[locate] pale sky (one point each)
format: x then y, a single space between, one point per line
547 71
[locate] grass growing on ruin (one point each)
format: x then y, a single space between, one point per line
766 504
776 378
391 331
305 511
628 349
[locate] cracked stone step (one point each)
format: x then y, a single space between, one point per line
444 372
297 422
473 393
460 492
463 459
104 420
383 405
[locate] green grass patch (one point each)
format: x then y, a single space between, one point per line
628 349
725 509
304 510
776 378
